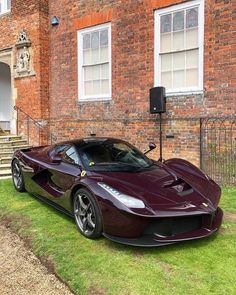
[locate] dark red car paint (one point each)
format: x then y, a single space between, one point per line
153 186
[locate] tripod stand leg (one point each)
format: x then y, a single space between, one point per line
160 133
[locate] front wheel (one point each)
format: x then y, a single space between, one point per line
17 176
87 214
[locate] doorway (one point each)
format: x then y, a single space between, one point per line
6 107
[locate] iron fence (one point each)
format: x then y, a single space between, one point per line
218 148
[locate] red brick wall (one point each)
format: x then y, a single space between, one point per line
53 91
44 27
127 115
220 57
31 15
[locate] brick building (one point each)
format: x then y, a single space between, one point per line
85 67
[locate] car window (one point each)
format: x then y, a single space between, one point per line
59 149
112 155
71 156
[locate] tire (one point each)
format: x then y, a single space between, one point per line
87 214
17 176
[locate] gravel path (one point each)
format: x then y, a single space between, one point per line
21 272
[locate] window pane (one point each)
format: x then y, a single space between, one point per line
178 21
192 18
192 59
60 149
178 41
166 62
86 41
105 71
166 42
179 61
192 78
8 4
87 57
105 87
104 37
71 156
166 79
95 56
166 23
96 72
88 73
95 40
88 88
96 87
191 38
178 79
104 54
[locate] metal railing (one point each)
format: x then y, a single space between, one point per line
36 131
218 148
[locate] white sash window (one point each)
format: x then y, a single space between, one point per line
179 38
94 63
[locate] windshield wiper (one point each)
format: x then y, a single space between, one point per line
137 168
133 165
115 164
146 167
104 163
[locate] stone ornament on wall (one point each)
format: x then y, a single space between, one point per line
24 62
23 38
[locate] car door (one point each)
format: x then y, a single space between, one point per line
65 173
62 176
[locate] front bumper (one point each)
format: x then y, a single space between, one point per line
164 232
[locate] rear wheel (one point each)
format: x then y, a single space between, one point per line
17 176
87 214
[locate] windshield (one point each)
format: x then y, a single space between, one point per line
113 156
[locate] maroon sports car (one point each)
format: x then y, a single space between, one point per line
113 189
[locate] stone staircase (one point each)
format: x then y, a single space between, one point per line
8 145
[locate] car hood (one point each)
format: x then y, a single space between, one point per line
160 186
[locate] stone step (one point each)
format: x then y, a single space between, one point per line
12 143
5 174
5 167
12 149
6 138
6 154
5 160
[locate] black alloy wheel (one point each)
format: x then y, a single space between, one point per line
17 176
87 214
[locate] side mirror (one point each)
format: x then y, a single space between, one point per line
152 146
55 159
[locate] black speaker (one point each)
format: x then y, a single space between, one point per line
157 100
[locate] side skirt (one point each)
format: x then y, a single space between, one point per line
54 205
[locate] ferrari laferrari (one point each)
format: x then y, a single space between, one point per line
110 188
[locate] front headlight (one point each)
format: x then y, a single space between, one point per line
129 201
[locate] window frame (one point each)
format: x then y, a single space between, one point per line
79 164
101 97
4 5
157 50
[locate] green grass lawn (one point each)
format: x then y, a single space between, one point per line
205 266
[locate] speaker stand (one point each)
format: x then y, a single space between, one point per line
160 132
